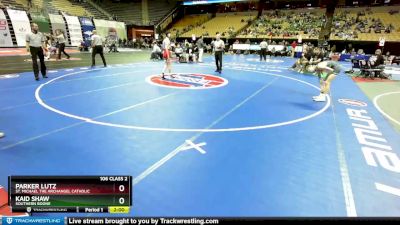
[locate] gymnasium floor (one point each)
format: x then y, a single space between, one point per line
252 143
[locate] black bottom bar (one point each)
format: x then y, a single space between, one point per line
211 221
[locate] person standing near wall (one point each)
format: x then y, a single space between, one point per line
61 43
200 47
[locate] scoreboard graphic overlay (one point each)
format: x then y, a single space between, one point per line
77 194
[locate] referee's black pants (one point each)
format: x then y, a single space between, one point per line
218 60
263 54
35 53
98 49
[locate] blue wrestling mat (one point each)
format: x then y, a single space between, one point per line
247 142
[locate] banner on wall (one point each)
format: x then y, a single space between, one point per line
101 27
87 28
57 23
121 30
21 25
106 28
74 28
5 35
42 21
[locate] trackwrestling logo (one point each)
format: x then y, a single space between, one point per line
188 81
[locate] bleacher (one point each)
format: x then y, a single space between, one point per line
53 6
24 3
290 23
187 23
381 13
90 9
38 3
125 11
288 28
279 27
159 8
13 4
225 23
69 8
44 6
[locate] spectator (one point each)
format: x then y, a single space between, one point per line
388 58
273 51
51 48
156 52
82 46
179 52
294 45
377 59
333 49
200 47
190 54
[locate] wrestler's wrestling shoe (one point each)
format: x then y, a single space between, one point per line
321 98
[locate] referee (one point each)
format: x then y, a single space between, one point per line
97 48
35 43
263 51
219 47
